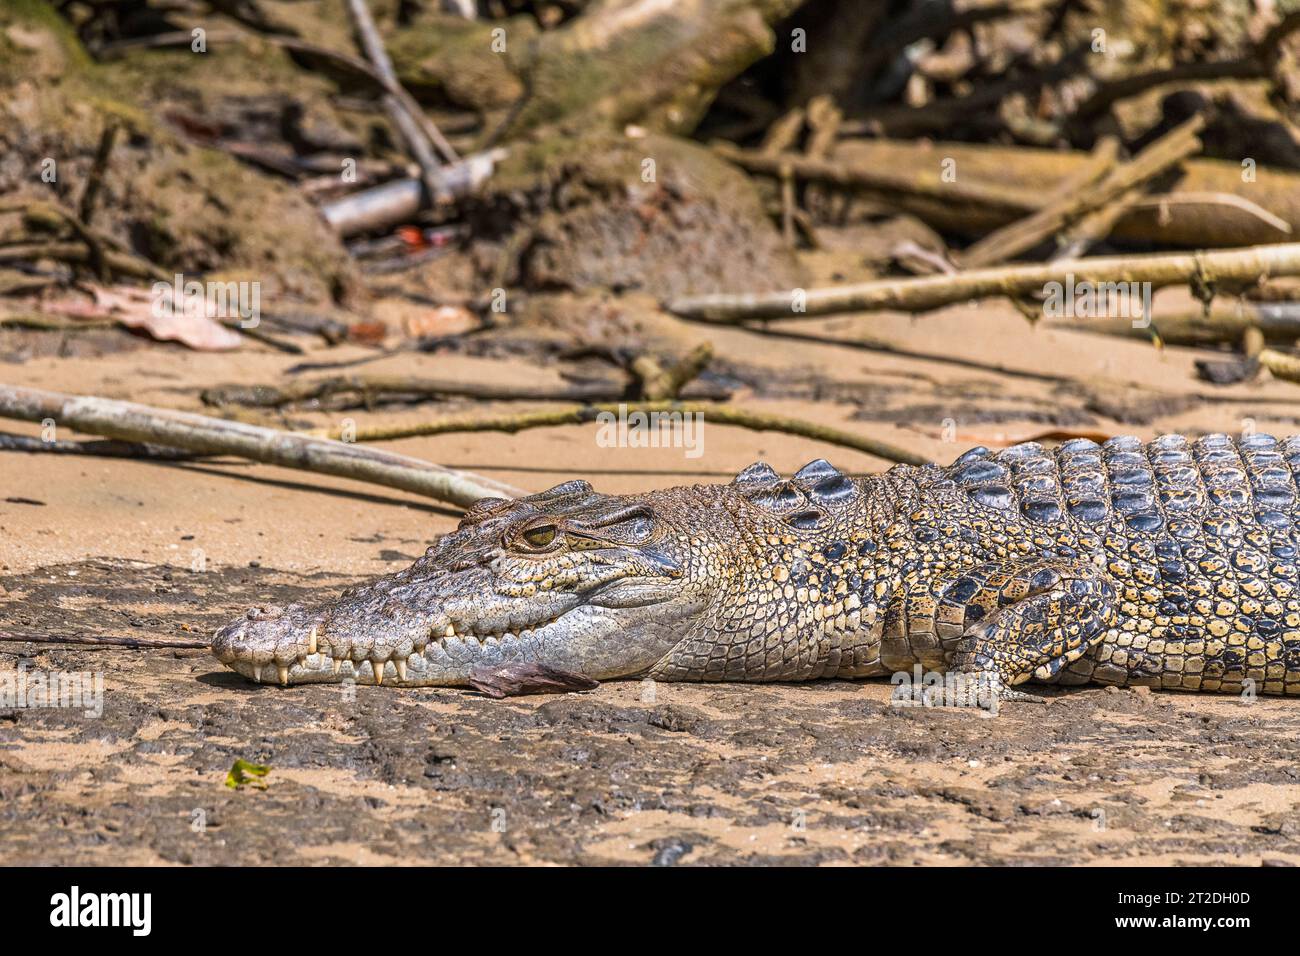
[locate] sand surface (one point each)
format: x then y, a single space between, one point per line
820 773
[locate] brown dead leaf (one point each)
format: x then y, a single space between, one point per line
136 309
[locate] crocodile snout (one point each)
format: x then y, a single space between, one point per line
267 637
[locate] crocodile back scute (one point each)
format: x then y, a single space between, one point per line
1200 537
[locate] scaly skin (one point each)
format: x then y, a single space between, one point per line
1169 565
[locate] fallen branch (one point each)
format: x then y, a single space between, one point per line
402 199
581 414
107 448
658 384
33 320
1132 180
888 181
1231 267
1095 208
370 390
1226 321
997 185
128 421
406 115
135 643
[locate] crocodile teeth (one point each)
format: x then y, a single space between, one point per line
378 670
401 669
311 642
451 631
257 673
338 666
284 675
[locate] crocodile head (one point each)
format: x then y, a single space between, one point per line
598 585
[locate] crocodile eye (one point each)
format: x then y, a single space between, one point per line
542 536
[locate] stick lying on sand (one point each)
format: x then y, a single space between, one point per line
103 640
1233 267
513 422
128 421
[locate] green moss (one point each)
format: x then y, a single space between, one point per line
451 61
37 43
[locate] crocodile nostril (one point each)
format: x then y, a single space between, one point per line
264 613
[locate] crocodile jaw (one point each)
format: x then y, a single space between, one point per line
298 645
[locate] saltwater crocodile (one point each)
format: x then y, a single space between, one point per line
1171 565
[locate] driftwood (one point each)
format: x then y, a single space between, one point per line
368 390
1227 320
581 414
127 421
997 185
1227 267
412 125
1123 180
401 200
659 384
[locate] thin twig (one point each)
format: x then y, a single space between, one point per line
580 414
90 195
107 640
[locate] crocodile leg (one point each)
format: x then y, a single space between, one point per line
1025 621
1007 622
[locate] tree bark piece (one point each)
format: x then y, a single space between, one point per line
127 421
1232 267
